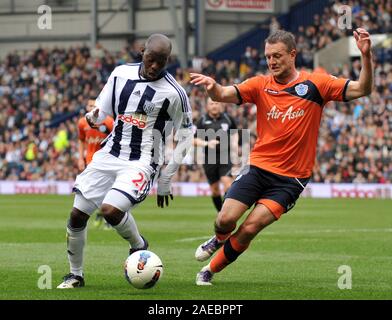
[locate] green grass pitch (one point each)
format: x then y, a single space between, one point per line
295 258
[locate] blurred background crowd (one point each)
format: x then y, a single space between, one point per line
44 92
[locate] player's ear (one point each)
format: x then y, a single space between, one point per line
293 53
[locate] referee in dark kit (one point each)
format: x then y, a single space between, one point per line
213 133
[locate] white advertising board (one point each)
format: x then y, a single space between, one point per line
188 189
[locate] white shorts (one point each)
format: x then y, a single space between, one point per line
105 172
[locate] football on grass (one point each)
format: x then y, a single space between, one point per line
143 269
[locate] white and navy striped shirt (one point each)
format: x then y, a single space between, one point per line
141 109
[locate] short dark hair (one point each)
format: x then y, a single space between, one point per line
160 41
282 36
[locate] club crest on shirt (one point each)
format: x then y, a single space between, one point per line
225 126
301 89
148 107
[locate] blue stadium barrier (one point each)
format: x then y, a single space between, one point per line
57 120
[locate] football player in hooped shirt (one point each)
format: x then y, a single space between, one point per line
289 107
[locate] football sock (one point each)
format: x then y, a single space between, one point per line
76 239
128 230
227 254
206 268
217 202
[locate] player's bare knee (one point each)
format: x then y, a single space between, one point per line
111 214
78 219
225 221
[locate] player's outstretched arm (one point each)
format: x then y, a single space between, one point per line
215 90
364 85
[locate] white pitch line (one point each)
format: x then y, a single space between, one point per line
364 230
193 239
300 232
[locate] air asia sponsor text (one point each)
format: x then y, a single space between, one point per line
290 114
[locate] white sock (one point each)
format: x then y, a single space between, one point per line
76 239
128 230
207 268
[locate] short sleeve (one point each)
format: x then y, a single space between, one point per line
249 89
331 88
105 98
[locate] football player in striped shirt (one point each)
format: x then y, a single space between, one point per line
146 103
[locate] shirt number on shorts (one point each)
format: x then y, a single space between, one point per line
140 183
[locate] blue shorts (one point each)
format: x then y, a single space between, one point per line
278 193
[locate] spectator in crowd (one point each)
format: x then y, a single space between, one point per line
41 94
